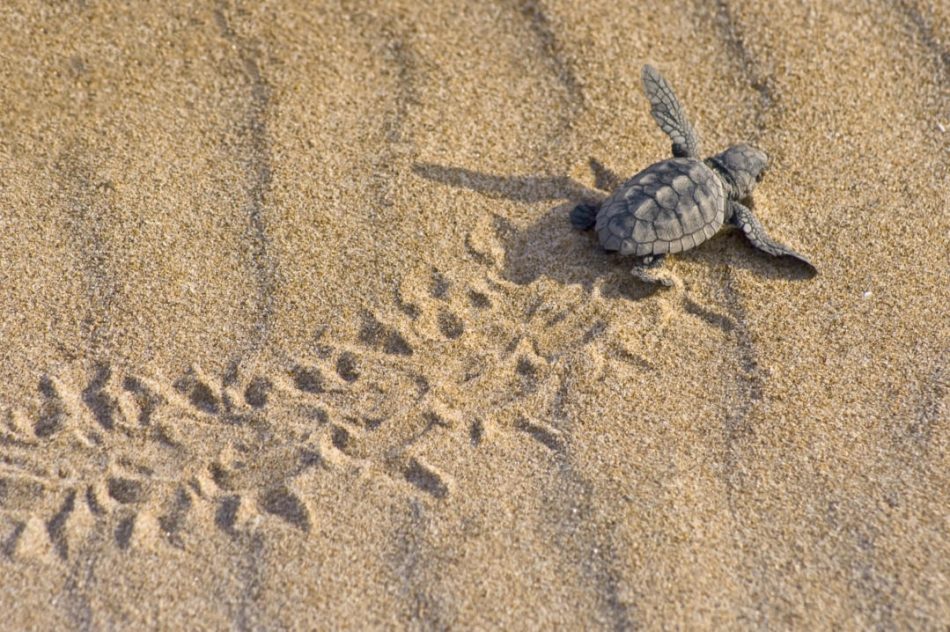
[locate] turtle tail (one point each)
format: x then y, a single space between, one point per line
584 216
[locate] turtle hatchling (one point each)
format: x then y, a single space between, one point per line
677 204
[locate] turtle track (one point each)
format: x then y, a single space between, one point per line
570 495
343 420
130 498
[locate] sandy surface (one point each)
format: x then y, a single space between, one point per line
294 331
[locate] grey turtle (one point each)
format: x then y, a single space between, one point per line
677 204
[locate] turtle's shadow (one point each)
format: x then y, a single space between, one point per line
551 247
518 188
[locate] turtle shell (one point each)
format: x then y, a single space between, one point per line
668 207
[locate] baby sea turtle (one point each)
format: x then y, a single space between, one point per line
677 204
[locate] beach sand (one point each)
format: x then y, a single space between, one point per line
295 332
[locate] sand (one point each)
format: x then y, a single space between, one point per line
295 333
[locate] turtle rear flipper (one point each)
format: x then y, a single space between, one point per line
743 218
650 270
584 216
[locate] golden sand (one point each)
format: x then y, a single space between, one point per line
295 333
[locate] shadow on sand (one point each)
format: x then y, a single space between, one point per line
551 247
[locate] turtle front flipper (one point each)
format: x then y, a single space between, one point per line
669 114
584 216
743 218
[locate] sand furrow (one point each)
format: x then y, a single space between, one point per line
256 161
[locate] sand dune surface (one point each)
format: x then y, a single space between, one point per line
295 332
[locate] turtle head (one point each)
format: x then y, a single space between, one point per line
744 165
